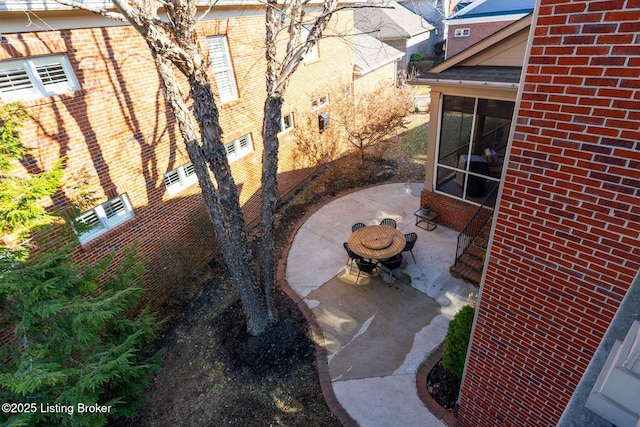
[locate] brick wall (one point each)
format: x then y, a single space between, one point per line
567 241
478 32
454 214
118 128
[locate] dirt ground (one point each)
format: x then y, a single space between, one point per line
213 373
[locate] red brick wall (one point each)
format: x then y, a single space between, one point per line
454 214
478 32
567 241
118 128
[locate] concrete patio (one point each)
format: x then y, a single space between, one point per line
376 333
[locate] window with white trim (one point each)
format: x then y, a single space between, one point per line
37 77
239 148
320 102
312 55
180 178
222 68
102 218
462 32
286 123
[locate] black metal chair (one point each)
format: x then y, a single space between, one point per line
389 222
391 264
351 255
365 267
358 226
411 242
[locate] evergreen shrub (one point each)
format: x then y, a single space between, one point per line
457 340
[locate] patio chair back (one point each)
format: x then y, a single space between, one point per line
358 226
392 263
411 239
389 222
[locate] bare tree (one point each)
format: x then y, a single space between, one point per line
314 148
174 45
372 117
279 71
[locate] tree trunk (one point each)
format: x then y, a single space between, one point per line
270 129
222 203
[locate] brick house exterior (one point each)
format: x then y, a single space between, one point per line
116 126
565 245
481 19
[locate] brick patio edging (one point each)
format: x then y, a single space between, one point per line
421 386
321 352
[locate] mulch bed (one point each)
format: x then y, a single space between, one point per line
444 387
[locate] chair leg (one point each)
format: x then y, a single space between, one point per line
358 276
414 258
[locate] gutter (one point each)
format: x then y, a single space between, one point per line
474 83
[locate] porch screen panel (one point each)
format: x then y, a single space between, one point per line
455 134
473 141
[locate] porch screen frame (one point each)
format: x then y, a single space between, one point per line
470 145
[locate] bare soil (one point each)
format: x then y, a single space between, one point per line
213 373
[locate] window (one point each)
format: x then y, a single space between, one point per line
312 55
106 216
462 32
473 140
222 68
286 123
239 148
180 178
320 102
38 77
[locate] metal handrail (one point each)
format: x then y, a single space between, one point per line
476 223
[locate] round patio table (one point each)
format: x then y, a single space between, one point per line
376 242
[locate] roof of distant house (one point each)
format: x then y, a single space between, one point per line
487 8
474 74
390 21
371 53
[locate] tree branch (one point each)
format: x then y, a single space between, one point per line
96 10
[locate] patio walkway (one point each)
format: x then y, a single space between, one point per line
377 335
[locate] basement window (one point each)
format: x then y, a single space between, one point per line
38 77
239 148
104 217
180 178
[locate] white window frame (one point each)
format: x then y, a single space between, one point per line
222 68
180 178
462 32
320 102
312 55
105 218
286 123
36 86
239 148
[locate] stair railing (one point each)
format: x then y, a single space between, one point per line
476 223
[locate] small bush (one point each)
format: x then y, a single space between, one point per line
457 340
415 57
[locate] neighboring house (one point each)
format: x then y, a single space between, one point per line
374 63
433 11
480 19
94 97
561 277
398 27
